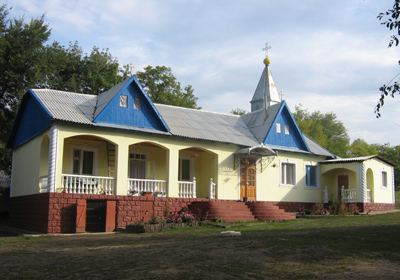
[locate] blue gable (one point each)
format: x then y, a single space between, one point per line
32 119
146 116
293 138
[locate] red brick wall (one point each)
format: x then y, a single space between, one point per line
56 212
30 212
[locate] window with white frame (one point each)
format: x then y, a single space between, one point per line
278 128
185 169
288 174
123 100
384 179
137 165
311 175
84 161
287 131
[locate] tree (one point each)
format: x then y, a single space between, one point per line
324 129
361 148
391 20
21 46
392 154
162 87
238 111
26 62
69 69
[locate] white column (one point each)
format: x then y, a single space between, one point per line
53 158
362 183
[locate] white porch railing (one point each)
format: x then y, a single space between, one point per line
213 189
187 189
43 184
138 186
369 196
87 184
349 195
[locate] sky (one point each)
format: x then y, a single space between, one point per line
329 56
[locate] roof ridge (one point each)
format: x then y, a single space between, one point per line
63 91
197 110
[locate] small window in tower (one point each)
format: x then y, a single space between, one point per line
123 100
278 128
137 103
287 131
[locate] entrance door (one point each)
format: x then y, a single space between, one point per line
248 179
343 180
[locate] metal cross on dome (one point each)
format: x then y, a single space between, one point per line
267 47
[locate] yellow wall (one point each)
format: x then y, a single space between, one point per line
215 160
26 170
380 194
166 157
269 186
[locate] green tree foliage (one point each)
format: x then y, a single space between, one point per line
361 148
70 69
391 20
325 129
21 46
391 153
238 111
26 62
162 87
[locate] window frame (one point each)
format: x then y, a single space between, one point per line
123 101
83 148
283 172
311 164
384 177
278 128
191 168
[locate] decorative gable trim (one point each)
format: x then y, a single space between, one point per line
32 118
289 136
135 109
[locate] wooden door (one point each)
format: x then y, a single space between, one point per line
248 179
111 215
81 215
343 180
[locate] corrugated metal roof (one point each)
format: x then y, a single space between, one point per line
317 149
246 130
204 125
67 106
357 159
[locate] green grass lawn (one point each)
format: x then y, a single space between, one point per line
355 247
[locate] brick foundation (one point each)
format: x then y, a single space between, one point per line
56 212
364 207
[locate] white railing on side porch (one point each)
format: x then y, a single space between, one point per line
213 189
138 186
369 196
187 189
87 184
43 184
349 195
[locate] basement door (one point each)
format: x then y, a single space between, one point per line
248 179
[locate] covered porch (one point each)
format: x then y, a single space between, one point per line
91 164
